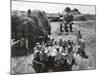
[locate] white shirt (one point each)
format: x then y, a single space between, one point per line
52 51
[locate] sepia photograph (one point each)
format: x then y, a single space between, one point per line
52 37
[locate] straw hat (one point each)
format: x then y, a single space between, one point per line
38 47
37 43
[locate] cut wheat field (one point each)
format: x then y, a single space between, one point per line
87 28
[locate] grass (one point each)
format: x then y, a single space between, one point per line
87 28
89 35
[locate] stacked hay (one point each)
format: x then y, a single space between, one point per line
43 21
35 24
30 26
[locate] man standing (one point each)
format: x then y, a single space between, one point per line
61 22
36 60
43 60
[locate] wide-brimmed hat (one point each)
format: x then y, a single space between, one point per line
38 47
37 43
57 47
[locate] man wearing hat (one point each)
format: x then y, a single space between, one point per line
36 59
37 43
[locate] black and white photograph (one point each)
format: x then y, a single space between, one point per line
52 37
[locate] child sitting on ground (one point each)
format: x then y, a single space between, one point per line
79 35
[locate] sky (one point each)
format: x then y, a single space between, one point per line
50 8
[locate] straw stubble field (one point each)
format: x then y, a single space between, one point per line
87 28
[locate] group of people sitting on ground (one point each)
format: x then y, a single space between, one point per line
57 55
